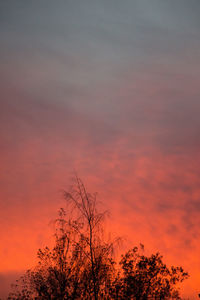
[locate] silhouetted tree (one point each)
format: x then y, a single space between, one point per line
98 252
147 277
81 265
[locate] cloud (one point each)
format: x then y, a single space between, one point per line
110 90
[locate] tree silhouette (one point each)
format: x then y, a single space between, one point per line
81 264
97 251
146 277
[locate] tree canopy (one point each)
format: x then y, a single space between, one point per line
81 264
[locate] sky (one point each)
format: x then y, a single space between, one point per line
109 89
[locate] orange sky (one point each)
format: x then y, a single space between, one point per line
110 90
153 199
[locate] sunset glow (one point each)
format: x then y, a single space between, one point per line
110 90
